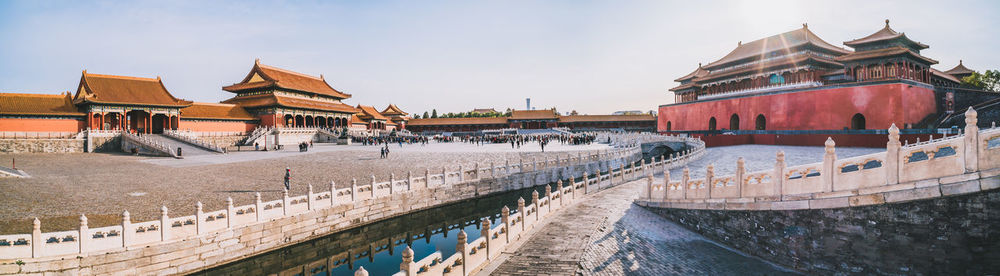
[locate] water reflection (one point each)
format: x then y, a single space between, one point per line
377 246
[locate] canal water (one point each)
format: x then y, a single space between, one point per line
377 247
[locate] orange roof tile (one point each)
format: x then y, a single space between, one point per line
215 111
394 110
294 102
606 118
959 70
355 120
368 113
784 41
533 114
884 34
38 104
884 52
109 89
287 79
697 73
458 121
757 68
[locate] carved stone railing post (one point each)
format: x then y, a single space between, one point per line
485 233
534 201
258 206
392 187
427 178
409 180
460 249
373 186
284 202
779 173
829 158
198 215
354 190
971 140
127 231
229 212
740 171
586 182
444 176
622 169
562 195
520 211
709 175
685 176
37 243
506 166
361 271
666 183
408 267
649 187
84 234
461 174
493 169
477 171
572 188
892 156
310 203
548 197
333 193
505 218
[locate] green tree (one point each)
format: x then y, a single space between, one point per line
434 113
426 115
989 80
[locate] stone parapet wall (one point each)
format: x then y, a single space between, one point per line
41 145
950 235
179 244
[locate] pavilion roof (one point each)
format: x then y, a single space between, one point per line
696 73
784 41
458 121
533 114
885 34
269 99
38 104
885 52
945 75
769 65
369 113
216 111
959 70
606 118
393 110
110 89
684 86
355 120
484 110
262 76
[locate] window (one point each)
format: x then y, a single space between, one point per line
734 122
760 123
711 124
858 121
777 79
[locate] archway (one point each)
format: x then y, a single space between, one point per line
668 125
734 122
309 121
159 122
289 120
175 122
321 122
858 121
330 122
761 122
711 124
299 121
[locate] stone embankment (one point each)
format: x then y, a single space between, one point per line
923 208
179 244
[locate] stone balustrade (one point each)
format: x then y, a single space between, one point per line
961 164
328 211
191 138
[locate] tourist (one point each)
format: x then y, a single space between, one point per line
288 178
256 146
381 153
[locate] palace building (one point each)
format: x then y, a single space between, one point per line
535 119
798 81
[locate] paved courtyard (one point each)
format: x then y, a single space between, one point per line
102 185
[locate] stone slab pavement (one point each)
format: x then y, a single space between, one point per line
607 235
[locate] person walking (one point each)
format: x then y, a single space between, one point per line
288 178
256 146
381 153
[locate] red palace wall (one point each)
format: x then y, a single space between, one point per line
881 105
216 126
42 125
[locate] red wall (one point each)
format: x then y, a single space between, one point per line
881 104
42 125
842 140
219 126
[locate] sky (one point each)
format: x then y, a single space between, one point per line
595 57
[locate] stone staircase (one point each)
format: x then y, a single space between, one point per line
172 144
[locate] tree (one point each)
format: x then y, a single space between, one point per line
989 80
434 113
425 115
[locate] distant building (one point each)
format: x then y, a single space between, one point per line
628 112
484 110
536 119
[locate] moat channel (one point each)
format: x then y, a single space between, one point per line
378 246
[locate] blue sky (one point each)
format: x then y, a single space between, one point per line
595 57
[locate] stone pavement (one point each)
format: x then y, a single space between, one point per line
608 235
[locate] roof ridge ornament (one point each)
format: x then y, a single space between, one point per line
886 22
805 25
